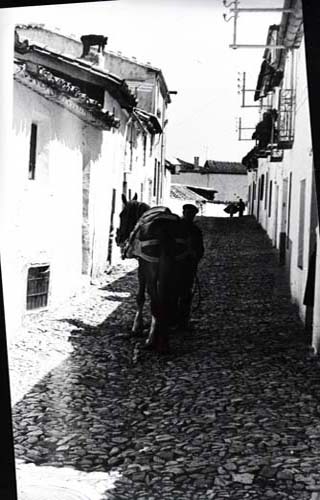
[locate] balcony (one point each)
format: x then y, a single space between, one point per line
275 132
286 119
276 155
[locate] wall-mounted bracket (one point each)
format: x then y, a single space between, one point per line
242 90
240 130
236 10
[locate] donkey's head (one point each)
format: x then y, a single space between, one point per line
129 216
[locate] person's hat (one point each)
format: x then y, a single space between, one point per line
190 207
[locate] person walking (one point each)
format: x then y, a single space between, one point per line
241 207
196 253
231 209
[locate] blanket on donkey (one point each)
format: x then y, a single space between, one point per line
137 246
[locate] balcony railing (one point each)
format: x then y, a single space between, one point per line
286 119
275 132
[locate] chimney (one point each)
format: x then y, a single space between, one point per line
196 162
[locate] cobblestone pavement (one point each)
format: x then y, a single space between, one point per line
232 412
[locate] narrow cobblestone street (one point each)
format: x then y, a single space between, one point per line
232 412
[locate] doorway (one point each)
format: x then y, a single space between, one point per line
111 230
284 222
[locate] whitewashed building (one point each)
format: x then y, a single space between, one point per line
78 141
282 193
146 129
67 141
143 161
221 182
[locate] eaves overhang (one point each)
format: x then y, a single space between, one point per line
291 25
65 94
150 120
78 69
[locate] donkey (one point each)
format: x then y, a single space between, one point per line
159 240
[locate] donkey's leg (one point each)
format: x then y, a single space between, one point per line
138 320
158 333
152 332
162 339
155 319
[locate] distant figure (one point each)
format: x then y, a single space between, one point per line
231 209
197 249
241 207
90 40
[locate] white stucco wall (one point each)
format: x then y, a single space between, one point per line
167 180
301 162
12 320
297 162
107 175
45 213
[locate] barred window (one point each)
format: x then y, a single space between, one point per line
38 287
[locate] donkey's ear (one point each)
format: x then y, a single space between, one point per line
135 197
124 199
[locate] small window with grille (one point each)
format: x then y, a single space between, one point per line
38 287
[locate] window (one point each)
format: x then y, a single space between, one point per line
111 229
301 223
262 187
38 287
158 182
266 192
144 150
270 199
33 151
253 196
155 178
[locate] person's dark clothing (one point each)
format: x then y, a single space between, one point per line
197 249
241 207
196 241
